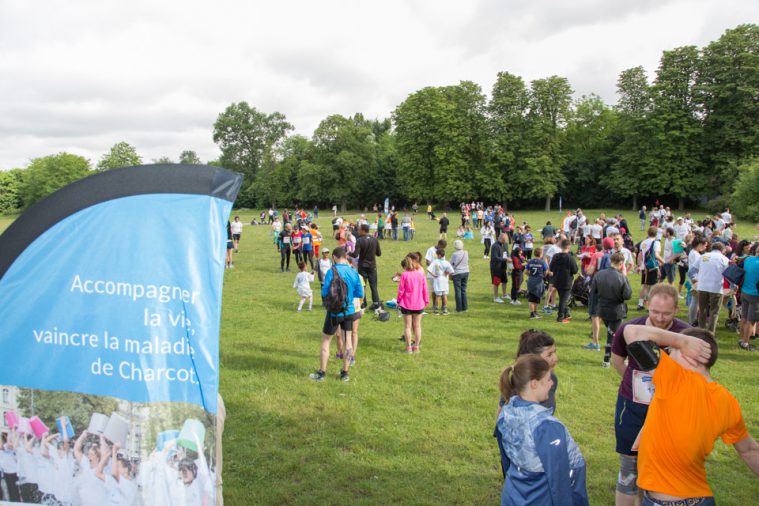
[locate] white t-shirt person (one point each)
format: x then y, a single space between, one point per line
710 267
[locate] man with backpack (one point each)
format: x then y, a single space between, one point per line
342 286
649 260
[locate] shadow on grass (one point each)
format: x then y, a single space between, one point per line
258 363
323 458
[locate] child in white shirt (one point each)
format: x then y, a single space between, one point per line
440 269
302 284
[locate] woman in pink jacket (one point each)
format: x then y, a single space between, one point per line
412 299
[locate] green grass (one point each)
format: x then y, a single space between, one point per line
411 429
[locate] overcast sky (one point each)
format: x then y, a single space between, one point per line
80 76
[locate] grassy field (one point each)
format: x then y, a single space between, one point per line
412 429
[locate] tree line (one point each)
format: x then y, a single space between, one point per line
688 133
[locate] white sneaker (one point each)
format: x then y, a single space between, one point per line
508 297
515 303
485 257
498 300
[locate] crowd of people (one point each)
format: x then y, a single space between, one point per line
582 262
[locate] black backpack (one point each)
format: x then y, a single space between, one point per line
336 300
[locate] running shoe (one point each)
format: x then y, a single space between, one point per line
498 300
515 303
592 346
605 365
344 376
746 346
317 376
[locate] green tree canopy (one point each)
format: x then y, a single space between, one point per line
247 136
47 174
189 157
10 190
121 154
728 85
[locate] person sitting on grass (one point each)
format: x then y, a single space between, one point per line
688 412
543 464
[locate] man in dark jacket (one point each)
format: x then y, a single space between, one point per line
367 250
563 268
611 289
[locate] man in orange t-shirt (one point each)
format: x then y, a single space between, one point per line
688 412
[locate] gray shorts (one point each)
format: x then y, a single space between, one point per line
750 307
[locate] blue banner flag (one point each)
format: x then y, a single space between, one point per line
110 291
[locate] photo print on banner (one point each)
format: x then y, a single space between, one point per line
110 303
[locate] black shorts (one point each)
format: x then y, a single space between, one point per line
332 323
230 245
236 237
533 298
649 277
411 311
628 421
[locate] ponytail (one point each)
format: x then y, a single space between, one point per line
515 378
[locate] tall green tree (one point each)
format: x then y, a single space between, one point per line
633 159
440 136
276 182
728 85
10 190
745 203
542 174
189 157
589 151
247 137
507 128
50 173
345 149
677 129
122 154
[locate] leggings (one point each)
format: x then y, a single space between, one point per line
683 271
487 247
285 251
308 255
611 329
516 283
563 300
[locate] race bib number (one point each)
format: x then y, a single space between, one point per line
286 239
643 387
505 255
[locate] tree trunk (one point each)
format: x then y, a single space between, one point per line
635 203
548 204
680 203
343 206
